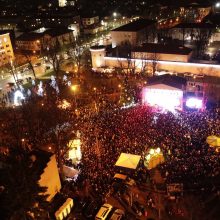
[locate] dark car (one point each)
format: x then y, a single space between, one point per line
91 210
85 203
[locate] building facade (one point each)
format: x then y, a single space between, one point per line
37 41
99 59
161 52
134 33
6 49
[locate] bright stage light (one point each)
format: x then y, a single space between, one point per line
18 96
194 103
166 99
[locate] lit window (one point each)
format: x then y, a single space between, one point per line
5 39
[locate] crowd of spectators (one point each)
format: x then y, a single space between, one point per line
181 137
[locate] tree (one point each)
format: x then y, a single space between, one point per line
11 66
52 52
202 37
128 93
77 55
22 196
154 57
29 59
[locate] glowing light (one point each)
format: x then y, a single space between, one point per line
18 97
148 157
74 87
166 99
64 104
165 62
75 150
157 150
152 151
194 103
153 158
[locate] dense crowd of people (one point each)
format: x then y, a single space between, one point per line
181 137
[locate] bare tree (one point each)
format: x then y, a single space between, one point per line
201 37
77 55
52 52
11 66
154 57
29 60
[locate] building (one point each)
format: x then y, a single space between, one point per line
48 172
41 39
89 20
91 24
64 36
32 42
6 49
165 92
102 59
64 3
134 33
191 31
195 12
164 52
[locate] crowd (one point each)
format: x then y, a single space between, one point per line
181 137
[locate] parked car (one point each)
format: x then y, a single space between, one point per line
85 203
91 210
118 214
37 64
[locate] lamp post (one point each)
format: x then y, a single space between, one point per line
74 88
95 91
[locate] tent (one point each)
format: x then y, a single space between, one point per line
70 172
129 161
213 141
153 158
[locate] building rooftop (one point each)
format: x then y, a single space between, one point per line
195 25
135 25
30 36
53 32
167 79
163 48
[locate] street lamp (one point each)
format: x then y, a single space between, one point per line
74 88
96 108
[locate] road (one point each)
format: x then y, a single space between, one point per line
8 78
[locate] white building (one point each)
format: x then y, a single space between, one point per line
134 33
99 60
161 52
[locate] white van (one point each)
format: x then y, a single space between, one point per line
104 212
